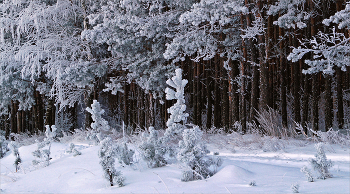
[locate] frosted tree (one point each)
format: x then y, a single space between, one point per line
107 153
73 150
328 50
152 149
99 125
320 162
197 33
178 117
292 13
192 152
14 148
124 154
307 173
43 151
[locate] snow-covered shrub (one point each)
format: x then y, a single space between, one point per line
3 146
272 144
295 188
153 150
307 173
42 154
320 163
107 153
175 124
99 124
252 183
124 155
332 137
192 153
73 150
14 148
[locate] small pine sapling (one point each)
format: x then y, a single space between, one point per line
153 150
175 124
320 163
124 154
295 188
192 153
3 146
107 153
252 183
99 123
43 155
14 148
307 173
73 150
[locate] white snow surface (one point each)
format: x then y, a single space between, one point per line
273 172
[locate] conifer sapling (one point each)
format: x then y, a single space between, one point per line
14 147
320 163
107 153
99 123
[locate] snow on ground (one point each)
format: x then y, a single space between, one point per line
273 172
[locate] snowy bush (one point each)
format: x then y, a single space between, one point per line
152 149
320 163
124 155
107 153
99 125
192 153
271 123
73 150
42 154
307 173
331 136
295 188
14 148
3 146
252 183
175 123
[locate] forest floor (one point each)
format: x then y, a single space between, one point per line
273 164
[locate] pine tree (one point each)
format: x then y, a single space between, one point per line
320 163
3 146
107 153
99 125
14 148
175 123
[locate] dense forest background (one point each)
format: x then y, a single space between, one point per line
289 59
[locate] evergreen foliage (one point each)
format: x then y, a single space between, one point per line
175 123
107 153
192 153
320 162
43 151
152 149
124 154
295 188
14 148
99 125
73 150
307 173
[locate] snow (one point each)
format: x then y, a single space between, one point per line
273 172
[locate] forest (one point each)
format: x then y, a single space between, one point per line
243 59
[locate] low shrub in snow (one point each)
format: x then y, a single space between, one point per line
107 153
42 154
152 149
14 148
193 153
307 173
320 162
124 154
73 150
295 188
252 183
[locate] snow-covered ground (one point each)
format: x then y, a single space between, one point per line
273 171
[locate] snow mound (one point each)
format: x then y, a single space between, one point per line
232 174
